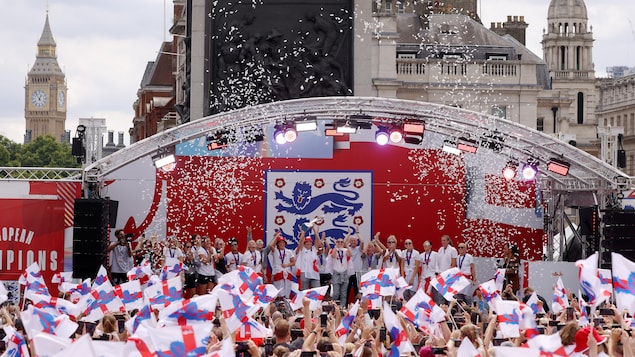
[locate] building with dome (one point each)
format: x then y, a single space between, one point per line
45 92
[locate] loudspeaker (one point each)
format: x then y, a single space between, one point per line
90 236
77 148
619 217
621 159
588 221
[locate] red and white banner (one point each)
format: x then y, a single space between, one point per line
31 231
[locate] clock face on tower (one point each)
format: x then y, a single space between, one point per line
60 99
38 98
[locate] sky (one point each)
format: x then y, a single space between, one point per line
104 46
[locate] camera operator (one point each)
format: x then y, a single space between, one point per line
120 257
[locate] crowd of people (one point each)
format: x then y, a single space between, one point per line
349 321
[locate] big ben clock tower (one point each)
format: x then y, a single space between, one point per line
45 91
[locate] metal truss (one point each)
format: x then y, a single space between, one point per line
40 174
587 173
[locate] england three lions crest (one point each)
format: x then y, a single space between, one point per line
332 201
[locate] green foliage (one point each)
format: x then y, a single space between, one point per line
44 151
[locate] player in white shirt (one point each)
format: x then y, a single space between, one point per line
207 270
252 257
173 250
429 265
234 258
392 256
282 262
307 261
340 257
410 266
465 263
447 254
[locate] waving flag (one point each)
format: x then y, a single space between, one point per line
499 279
46 344
145 316
421 308
508 315
16 346
100 300
130 294
253 331
532 302
4 294
398 336
53 305
33 280
37 320
264 294
490 293
83 346
606 280
560 301
450 283
379 282
623 282
590 280
77 291
142 272
347 322
244 280
235 311
584 317
315 296
62 277
102 277
401 285
548 345
504 351
467 349
172 267
164 293
199 309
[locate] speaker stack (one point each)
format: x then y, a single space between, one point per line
93 220
619 235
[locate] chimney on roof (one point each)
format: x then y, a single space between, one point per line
120 141
515 27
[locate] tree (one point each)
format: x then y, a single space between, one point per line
44 151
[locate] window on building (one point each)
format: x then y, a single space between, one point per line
388 6
401 7
580 108
578 51
406 55
563 53
500 111
540 124
491 57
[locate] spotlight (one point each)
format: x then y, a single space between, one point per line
285 133
396 135
509 172
530 169
413 133
558 166
493 141
306 124
218 140
346 126
81 129
450 147
382 135
165 159
467 145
